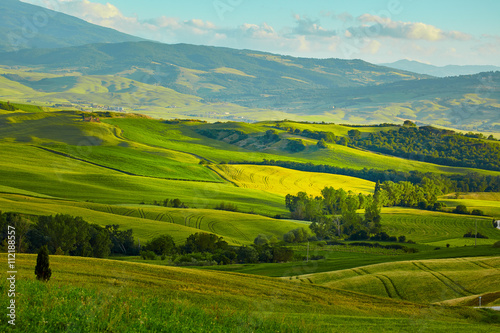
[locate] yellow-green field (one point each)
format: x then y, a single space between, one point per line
425 281
150 221
98 295
283 181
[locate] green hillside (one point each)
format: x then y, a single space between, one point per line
100 295
426 281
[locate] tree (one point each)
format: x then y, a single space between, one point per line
321 144
42 269
161 245
461 209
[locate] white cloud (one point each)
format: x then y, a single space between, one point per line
382 26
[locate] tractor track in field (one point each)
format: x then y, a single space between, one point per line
457 288
221 176
211 226
187 220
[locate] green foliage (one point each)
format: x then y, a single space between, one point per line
322 144
228 206
204 242
433 145
161 245
298 235
461 209
43 271
295 145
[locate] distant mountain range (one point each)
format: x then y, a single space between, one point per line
444 71
182 80
25 26
206 71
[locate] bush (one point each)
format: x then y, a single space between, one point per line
497 244
461 209
402 239
227 206
161 245
148 255
477 212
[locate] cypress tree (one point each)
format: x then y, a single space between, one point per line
42 269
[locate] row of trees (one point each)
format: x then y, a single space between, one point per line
211 247
65 234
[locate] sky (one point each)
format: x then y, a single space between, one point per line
437 32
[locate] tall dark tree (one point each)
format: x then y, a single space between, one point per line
42 269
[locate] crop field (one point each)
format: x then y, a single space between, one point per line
423 281
489 207
436 228
286 181
112 296
150 221
33 169
183 138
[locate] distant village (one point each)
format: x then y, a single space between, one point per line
85 106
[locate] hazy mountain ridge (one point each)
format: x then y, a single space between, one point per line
25 26
440 71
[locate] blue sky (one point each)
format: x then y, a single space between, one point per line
436 32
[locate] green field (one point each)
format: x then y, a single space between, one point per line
99 295
112 172
425 281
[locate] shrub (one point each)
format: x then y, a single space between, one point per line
461 209
161 245
227 206
497 244
478 212
402 239
148 255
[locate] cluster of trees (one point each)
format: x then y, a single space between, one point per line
175 203
295 145
204 247
406 194
333 214
469 182
471 234
65 234
462 209
432 145
228 206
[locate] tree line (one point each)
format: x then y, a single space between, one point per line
201 248
66 234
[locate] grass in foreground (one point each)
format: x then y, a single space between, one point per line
94 295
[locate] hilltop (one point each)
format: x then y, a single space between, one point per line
25 26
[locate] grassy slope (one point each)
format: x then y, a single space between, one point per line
32 169
426 281
437 228
150 221
184 138
100 295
